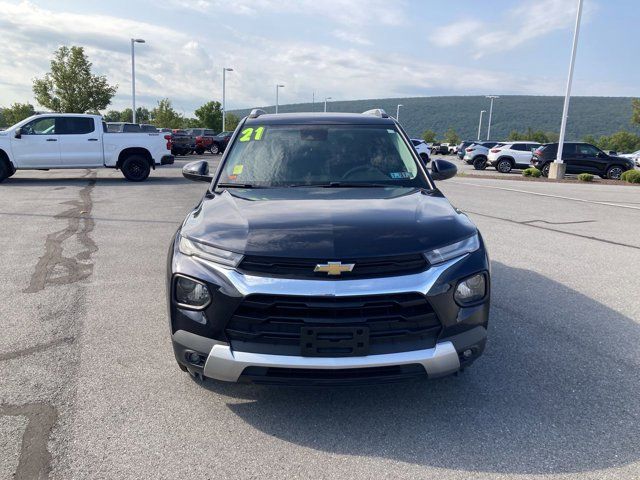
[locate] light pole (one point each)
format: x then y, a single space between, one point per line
398 112
325 103
278 87
557 169
133 75
313 101
224 95
492 97
480 123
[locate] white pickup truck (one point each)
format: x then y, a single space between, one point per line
67 140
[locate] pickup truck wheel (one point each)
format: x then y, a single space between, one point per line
5 170
614 172
480 163
504 166
135 168
214 149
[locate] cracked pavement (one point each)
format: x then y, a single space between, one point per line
89 387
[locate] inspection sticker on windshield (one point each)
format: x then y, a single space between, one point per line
399 175
237 170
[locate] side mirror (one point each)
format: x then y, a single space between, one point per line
442 170
18 133
197 171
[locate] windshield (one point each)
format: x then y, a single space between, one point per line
298 155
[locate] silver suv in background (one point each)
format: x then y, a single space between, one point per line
476 154
423 149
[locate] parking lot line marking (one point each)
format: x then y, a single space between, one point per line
609 204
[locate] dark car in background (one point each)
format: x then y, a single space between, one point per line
182 142
581 158
203 138
220 142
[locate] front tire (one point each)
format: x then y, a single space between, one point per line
480 163
135 168
5 169
215 149
545 169
504 166
614 172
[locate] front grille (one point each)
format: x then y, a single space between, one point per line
303 267
272 323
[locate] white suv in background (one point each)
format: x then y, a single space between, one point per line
511 155
423 149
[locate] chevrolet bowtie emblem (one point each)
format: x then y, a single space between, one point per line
334 268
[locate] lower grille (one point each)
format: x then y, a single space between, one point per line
347 376
272 323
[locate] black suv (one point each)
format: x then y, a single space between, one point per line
323 253
581 158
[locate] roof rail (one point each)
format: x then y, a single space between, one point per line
378 112
256 112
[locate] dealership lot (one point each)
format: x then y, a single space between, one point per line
90 388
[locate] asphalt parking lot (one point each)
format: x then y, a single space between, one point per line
89 387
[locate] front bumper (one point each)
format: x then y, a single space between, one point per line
461 342
167 160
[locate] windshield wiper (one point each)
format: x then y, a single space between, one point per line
340 185
237 185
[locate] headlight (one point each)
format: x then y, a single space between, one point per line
207 252
191 293
453 250
471 290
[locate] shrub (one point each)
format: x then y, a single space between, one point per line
631 176
531 172
585 177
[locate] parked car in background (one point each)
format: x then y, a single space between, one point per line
66 140
123 127
440 149
476 154
635 157
462 146
203 139
182 143
581 158
511 155
220 142
422 148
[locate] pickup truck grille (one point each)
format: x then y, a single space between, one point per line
272 323
303 267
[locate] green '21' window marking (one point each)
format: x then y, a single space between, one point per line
245 135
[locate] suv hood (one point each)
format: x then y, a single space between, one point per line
330 223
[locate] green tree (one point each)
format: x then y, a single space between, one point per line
70 87
429 136
451 137
514 136
590 139
231 121
17 112
191 123
165 116
635 116
210 115
621 141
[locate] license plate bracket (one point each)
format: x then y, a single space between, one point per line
334 341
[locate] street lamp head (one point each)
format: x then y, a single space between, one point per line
492 96
400 105
328 98
138 40
228 69
279 85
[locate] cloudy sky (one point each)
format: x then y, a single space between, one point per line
346 49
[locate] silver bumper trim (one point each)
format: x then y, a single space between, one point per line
227 365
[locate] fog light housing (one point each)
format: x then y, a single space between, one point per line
471 290
190 293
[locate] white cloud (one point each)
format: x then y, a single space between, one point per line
521 24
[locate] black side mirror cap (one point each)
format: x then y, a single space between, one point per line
442 170
197 171
18 133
